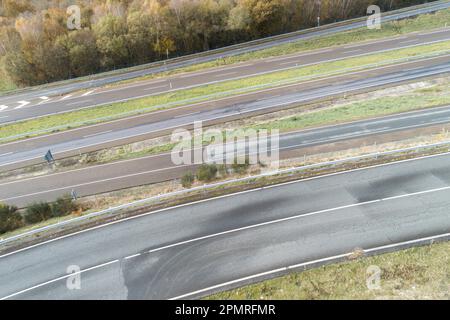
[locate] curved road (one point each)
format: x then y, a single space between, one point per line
101 80
16 109
120 132
157 168
238 236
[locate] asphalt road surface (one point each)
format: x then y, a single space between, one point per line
15 109
41 95
120 132
238 236
158 168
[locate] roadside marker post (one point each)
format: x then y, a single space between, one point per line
49 157
74 195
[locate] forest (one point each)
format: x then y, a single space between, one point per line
37 47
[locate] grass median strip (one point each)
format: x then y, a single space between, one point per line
420 23
107 112
415 273
432 96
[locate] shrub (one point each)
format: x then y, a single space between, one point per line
222 169
206 172
63 206
10 218
187 179
37 212
241 167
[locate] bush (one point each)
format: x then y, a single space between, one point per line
241 167
10 219
37 212
63 206
206 172
187 179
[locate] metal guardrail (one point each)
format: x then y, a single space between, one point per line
229 49
228 93
148 200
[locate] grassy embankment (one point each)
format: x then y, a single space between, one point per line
420 23
203 93
415 273
416 99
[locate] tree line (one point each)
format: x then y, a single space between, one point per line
36 46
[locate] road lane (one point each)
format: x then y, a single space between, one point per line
239 235
160 123
158 168
21 110
101 80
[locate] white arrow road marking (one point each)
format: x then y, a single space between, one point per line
44 99
3 107
22 104
87 93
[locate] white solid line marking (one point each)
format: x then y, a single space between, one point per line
65 97
299 216
157 87
225 74
304 264
221 197
5 154
352 51
254 226
133 256
214 118
96 134
87 93
78 102
57 279
408 41
3 107
288 62
91 182
185 115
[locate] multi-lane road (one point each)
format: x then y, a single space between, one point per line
239 236
16 108
157 168
41 95
137 128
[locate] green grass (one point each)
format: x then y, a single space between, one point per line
433 96
360 110
420 23
5 84
415 273
202 93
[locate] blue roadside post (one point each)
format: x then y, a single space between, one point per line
73 193
49 157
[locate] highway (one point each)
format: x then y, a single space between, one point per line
162 122
157 168
41 95
246 236
14 108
